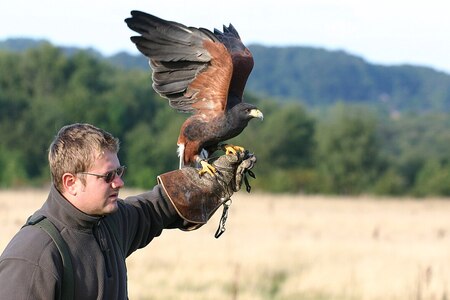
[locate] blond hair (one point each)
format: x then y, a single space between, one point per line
74 150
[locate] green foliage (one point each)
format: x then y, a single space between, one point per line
348 149
390 183
42 90
409 144
345 149
433 179
12 171
146 158
284 144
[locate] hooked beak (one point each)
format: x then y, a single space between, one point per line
256 113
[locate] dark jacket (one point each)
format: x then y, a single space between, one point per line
31 265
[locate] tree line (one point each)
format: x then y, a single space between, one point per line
336 149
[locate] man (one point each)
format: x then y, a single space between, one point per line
100 229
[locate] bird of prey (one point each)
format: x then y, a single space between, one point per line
200 72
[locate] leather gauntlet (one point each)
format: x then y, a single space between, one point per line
196 197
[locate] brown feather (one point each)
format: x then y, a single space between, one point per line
199 72
211 86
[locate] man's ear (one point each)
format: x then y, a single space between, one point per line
69 182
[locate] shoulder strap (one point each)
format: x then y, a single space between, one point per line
68 280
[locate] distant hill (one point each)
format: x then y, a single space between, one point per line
23 44
318 77
20 44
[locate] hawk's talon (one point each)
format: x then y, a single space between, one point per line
207 168
232 149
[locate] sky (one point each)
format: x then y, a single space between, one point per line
388 32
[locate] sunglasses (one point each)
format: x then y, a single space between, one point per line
109 176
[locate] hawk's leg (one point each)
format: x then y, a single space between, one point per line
206 167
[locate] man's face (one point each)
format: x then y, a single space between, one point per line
97 197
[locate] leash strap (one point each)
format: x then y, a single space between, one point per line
221 229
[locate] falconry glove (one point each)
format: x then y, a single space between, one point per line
196 198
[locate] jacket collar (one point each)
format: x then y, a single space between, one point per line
60 210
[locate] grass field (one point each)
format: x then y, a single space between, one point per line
289 247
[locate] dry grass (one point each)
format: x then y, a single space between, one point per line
285 247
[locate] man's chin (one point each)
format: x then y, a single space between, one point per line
111 208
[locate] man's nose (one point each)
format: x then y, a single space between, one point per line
117 183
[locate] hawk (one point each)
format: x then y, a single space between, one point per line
200 72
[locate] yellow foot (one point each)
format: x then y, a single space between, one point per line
206 168
232 149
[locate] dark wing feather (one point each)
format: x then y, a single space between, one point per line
242 62
191 67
